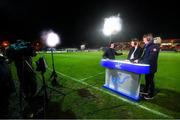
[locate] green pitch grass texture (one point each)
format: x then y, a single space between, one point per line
81 78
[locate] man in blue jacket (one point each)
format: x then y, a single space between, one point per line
150 56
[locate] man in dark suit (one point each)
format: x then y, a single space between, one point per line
110 52
150 56
135 51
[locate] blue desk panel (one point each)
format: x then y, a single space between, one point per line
126 66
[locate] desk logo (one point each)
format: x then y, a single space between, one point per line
120 79
118 65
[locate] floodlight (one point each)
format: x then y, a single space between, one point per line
112 25
52 39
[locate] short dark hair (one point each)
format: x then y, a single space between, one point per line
136 41
111 43
149 36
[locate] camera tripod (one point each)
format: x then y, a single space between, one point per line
44 88
54 82
27 86
54 74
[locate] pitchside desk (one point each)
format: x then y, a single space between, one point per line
123 77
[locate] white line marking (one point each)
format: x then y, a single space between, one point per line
91 76
115 95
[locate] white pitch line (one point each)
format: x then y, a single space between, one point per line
91 76
115 95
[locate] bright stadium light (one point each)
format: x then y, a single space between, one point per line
52 39
112 25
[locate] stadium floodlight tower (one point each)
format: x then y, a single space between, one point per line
52 39
112 25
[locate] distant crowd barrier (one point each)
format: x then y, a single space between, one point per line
69 50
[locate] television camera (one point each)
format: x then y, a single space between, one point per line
20 49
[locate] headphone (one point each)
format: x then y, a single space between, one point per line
149 37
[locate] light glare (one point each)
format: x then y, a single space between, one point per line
112 25
51 38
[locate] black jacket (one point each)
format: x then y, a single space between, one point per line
150 56
137 53
110 53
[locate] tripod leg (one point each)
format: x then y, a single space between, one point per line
56 91
45 101
20 100
45 95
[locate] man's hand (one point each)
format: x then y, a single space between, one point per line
136 61
126 60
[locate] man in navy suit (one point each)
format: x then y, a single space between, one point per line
135 51
150 56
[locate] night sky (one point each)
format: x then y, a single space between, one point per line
80 22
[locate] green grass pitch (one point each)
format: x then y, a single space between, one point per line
82 78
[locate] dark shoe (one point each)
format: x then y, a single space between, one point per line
148 97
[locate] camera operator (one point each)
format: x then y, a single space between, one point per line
6 86
21 53
1 51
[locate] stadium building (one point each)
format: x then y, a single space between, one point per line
165 44
170 45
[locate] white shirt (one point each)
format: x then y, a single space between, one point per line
132 55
